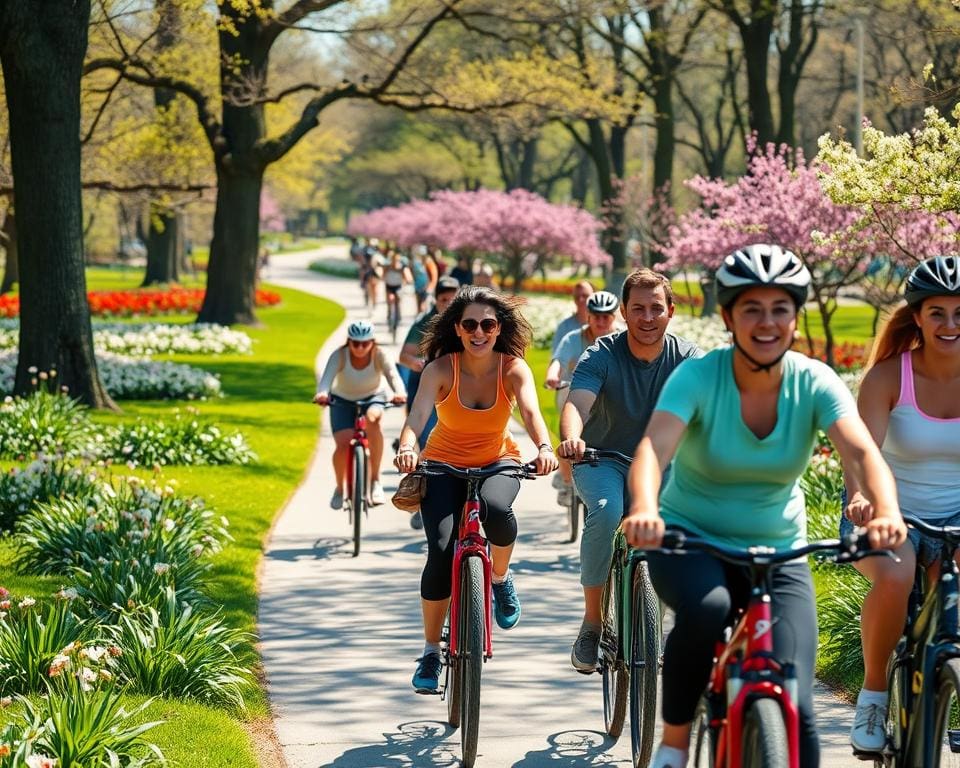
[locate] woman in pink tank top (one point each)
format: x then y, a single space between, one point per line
910 401
475 375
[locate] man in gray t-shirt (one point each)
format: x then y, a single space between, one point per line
614 390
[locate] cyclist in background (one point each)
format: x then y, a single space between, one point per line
614 388
581 292
425 274
354 372
395 274
601 320
739 425
910 401
475 376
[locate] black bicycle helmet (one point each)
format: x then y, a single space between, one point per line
762 264
602 302
936 276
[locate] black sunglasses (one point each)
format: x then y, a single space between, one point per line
487 325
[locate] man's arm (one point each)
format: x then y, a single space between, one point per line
572 417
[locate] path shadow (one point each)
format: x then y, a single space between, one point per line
412 745
563 564
573 749
322 549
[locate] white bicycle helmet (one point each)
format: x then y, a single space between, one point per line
360 330
602 302
762 265
936 276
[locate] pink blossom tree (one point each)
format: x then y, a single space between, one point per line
780 200
510 226
271 217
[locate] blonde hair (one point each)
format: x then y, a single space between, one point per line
898 334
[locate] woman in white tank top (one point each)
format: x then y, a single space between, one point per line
910 401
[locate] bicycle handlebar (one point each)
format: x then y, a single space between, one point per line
950 534
560 385
849 548
592 457
431 467
365 403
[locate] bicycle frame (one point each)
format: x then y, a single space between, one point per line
932 636
359 438
631 559
471 543
746 669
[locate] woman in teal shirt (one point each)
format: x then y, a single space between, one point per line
739 425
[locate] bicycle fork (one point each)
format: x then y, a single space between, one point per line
471 544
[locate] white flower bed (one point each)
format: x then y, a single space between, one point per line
126 378
148 339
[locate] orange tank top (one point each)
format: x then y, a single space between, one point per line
470 437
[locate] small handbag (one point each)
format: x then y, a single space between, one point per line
412 488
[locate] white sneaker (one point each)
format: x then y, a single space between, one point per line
869 727
336 501
565 496
376 493
557 481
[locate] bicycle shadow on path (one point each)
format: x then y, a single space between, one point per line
573 749
414 744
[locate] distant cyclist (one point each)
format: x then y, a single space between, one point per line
601 320
615 386
476 376
910 401
581 292
395 274
354 372
739 425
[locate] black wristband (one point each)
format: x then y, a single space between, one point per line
545 445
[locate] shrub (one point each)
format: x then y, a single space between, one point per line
184 439
32 634
171 650
41 480
133 521
43 423
838 608
335 267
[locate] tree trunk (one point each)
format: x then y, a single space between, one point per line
528 162
11 270
42 46
664 122
580 182
232 269
756 52
163 263
612 237
708 287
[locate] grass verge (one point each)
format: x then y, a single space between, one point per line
268 399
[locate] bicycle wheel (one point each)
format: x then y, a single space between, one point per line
644 666
451 685
612 667
946 745
358 497
470 638
897 679
764 736
702 738
575 510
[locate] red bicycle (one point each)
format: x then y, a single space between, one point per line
466 641
357 478
748 717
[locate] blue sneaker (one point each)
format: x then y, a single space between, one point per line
426 679
506 604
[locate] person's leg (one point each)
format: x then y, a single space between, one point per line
695 587
375 439
795 640
497 495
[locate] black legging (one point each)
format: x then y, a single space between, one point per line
441 509
704 593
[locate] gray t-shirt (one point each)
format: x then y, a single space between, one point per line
566 325
626 388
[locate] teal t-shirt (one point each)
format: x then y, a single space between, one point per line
727 484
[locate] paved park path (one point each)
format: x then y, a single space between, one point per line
340 635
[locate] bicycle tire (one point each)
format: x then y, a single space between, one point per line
613 670
574 511
358 497
947 713
471 656
702 737
451 687
896 712
764 742
644 666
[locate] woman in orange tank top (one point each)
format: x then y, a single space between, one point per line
475 375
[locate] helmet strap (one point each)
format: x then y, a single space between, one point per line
758 366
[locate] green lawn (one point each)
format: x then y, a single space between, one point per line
268 399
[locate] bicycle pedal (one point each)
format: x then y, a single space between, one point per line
867 756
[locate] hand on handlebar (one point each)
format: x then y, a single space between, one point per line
886 532
571 449
859 510
643 529
552 382
398 399
406 461
546 461
321 398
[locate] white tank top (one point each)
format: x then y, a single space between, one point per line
923 453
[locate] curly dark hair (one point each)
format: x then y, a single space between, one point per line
516 335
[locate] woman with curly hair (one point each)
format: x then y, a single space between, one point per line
475 374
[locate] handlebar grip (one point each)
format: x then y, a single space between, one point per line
673 539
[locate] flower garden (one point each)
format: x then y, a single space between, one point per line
129 543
